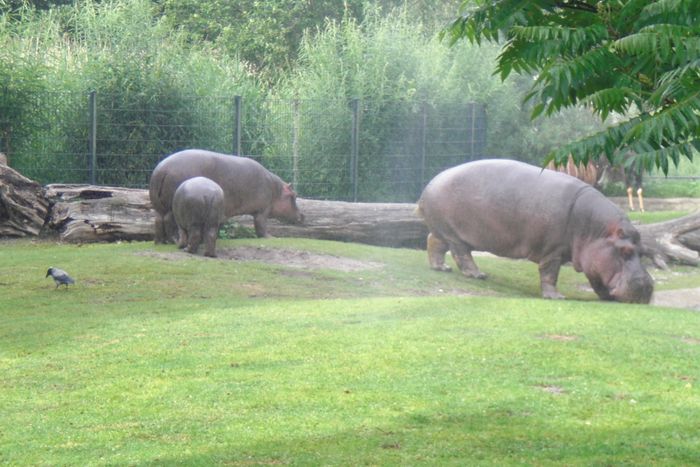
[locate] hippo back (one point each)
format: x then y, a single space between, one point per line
247 185
506 207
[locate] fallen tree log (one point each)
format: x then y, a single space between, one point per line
381 224
677 240
87 213
84 213
23 204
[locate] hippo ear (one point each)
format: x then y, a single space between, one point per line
287 190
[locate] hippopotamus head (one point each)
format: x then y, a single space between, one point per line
613 266
285 207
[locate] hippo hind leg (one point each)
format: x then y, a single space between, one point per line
436 253
159 231
462 254
195 238
210 235
182 237
549 275
170 228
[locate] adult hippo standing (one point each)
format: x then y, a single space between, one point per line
249 188
517 210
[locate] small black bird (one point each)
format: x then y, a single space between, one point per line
60 277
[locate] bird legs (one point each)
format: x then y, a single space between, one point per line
640 197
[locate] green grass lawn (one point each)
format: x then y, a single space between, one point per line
157 357
652 217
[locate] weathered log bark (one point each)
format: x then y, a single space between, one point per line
23 205
86 213
395 224
382 224
677 240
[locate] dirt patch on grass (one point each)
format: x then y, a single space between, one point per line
560 337
682 298
552 389
298 259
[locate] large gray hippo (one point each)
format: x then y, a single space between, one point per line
249 188
198 209
517 210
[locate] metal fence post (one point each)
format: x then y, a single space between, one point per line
424 141
295 142
237 115
354 146
92 137
473 130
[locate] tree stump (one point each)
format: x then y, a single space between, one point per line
23 204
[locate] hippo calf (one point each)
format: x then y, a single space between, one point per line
249 188
198 210
517 210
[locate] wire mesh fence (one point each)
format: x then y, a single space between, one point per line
363 150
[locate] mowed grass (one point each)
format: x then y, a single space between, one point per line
161 358
652 217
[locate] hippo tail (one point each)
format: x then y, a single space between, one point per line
419 209
155 188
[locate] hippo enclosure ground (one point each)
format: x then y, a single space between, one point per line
298 261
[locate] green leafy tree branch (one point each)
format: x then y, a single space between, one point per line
636 60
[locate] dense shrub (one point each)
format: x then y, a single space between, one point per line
155 94
409 95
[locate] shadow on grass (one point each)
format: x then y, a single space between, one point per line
499 435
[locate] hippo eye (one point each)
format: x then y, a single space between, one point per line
627 251
626 248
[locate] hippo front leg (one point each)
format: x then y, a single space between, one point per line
599 288
549 275
260 223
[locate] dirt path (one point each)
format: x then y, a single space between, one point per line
681 298
282 256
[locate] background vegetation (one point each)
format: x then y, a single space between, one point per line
165 74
